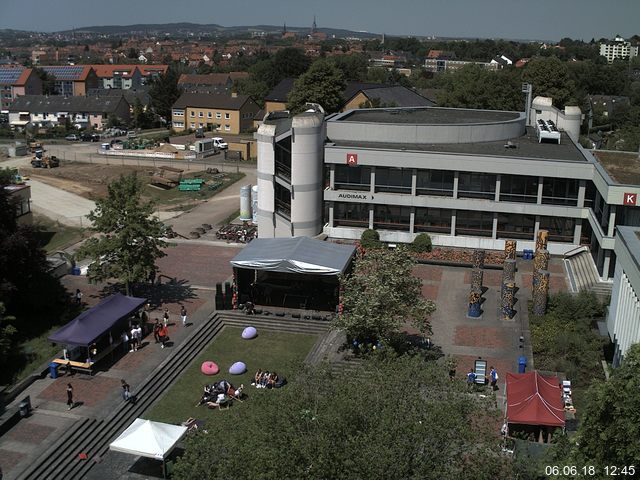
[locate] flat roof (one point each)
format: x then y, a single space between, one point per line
622 167
527 146
428 116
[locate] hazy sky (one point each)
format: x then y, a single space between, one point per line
525 19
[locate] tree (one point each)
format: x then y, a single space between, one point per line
7 331
353 66
381 295
422 243
390 418
370 239
130 240
141 117
48 81
323 83
164 90
550 78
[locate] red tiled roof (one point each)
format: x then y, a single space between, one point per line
107 71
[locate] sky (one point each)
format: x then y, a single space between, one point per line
511 19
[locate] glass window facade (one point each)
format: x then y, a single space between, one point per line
560 191
477 185
560 229
352 178
283 158
435 182
391 217
282 200
476 224
518 188
351 215
516 226
436 220
394 180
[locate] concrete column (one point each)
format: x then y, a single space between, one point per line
494 229
372 187
371 216
536 227
577 232
612 221
332 177
540 187
456 177
582 189
605 266
414 182
331 215
497 197
453 222
412 219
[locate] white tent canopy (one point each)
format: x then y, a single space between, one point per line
148 439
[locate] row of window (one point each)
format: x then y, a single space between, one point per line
192 125
192 114
513 188
439 220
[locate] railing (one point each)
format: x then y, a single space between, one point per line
575 251
362 187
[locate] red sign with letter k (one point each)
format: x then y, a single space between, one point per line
630 198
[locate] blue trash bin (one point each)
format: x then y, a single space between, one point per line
53 370
522 364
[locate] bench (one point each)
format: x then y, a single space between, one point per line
81 366
195 187
191 181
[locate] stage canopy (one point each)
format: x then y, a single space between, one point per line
91 324
295 255
148 439
533 399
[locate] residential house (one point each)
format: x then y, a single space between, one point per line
150 72
446 64
618 48
72 80
231 114
16 81
118 76
609 105
217 83
500 61
276 99
85 111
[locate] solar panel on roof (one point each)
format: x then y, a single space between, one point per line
10 75
65 72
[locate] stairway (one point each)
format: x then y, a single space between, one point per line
583 275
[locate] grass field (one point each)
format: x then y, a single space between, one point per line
54 235
273 351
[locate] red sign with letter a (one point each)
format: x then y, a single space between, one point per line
352 160
630 198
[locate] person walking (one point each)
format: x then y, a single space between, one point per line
138 336
493 377
134 340
70 403
165 317
126 390
164 335
78 296
183 315
156 330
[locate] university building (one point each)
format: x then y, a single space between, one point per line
469 178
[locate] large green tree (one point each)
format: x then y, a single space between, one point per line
323 83
381 295
391 418
164 90
550 78
129 237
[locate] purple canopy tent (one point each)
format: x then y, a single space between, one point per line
93 323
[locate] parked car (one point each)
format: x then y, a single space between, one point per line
132 134
199 133
72 137
90 137
219 142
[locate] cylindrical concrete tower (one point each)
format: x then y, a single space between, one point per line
245 203
265 172
306 173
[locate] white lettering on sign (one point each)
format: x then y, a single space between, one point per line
354 196
630 198
352 159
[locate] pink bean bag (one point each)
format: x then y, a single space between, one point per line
209 368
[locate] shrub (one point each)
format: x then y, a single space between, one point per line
422 243
370 239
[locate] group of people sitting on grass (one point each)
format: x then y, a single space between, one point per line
220 394
267 380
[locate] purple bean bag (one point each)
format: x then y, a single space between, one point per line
209 368
237 368
249 333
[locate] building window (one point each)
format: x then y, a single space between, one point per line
476 224
192 114
178 124
435 220
351 215
209 115
282 152
435 182
178 113
282 201
200 114
218 115
227 116
193 125
201 125
516 226
560 191
560 229
353 178
227 128
477 185
518 188
394 180
391 217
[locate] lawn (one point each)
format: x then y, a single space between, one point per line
33 353
54 235
270 350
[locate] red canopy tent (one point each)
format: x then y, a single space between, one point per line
534 399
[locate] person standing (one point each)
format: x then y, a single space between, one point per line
471 378
125 341
156 330
69 396
183 315
165 317
78 296
126 390
164 335
138 335
493 377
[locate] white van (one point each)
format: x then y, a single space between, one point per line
219 142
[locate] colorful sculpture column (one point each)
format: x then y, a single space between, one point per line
475 295
541 293
508 300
